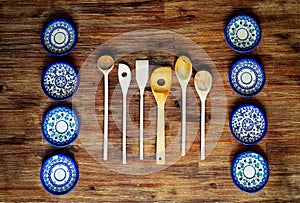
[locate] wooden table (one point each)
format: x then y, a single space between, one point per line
23 103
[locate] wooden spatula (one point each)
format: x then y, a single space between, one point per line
142 76
124 76
161 81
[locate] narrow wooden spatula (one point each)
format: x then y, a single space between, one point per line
161 81
142 75
124 76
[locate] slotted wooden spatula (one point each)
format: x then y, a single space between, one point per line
161 81
124 76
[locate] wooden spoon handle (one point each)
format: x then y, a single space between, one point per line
160 138
105 136
183 121
202 129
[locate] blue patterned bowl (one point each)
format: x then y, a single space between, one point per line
60 81
59 174
59 37
250 171
242 33
60 126
247 77
248 124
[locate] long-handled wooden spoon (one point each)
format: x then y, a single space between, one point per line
161 81
183 70
124 76
105 64
203 82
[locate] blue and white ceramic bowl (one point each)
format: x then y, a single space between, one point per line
59 37
242 33
60 81
60 126
250 171
59 174
247 77
248 124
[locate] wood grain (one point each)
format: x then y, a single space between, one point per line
23 103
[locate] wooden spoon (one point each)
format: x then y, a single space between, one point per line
161 81
105 64
183 70
203 82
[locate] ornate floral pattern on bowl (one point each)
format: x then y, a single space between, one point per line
242 33
59 174
247 77
250 171
59 37
60 126
60 81
248 124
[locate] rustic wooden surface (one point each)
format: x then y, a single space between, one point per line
22 101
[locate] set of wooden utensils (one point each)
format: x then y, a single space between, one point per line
161 82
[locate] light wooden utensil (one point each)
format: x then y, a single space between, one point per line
105 64
183 70
203 82
124 76
142 76
161 81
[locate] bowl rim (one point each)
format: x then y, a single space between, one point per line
264 116
233 47
54 21
76 180
259 66
77 134
261 69
43 85
231 171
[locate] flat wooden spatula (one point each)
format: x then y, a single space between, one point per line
142 76
161 81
